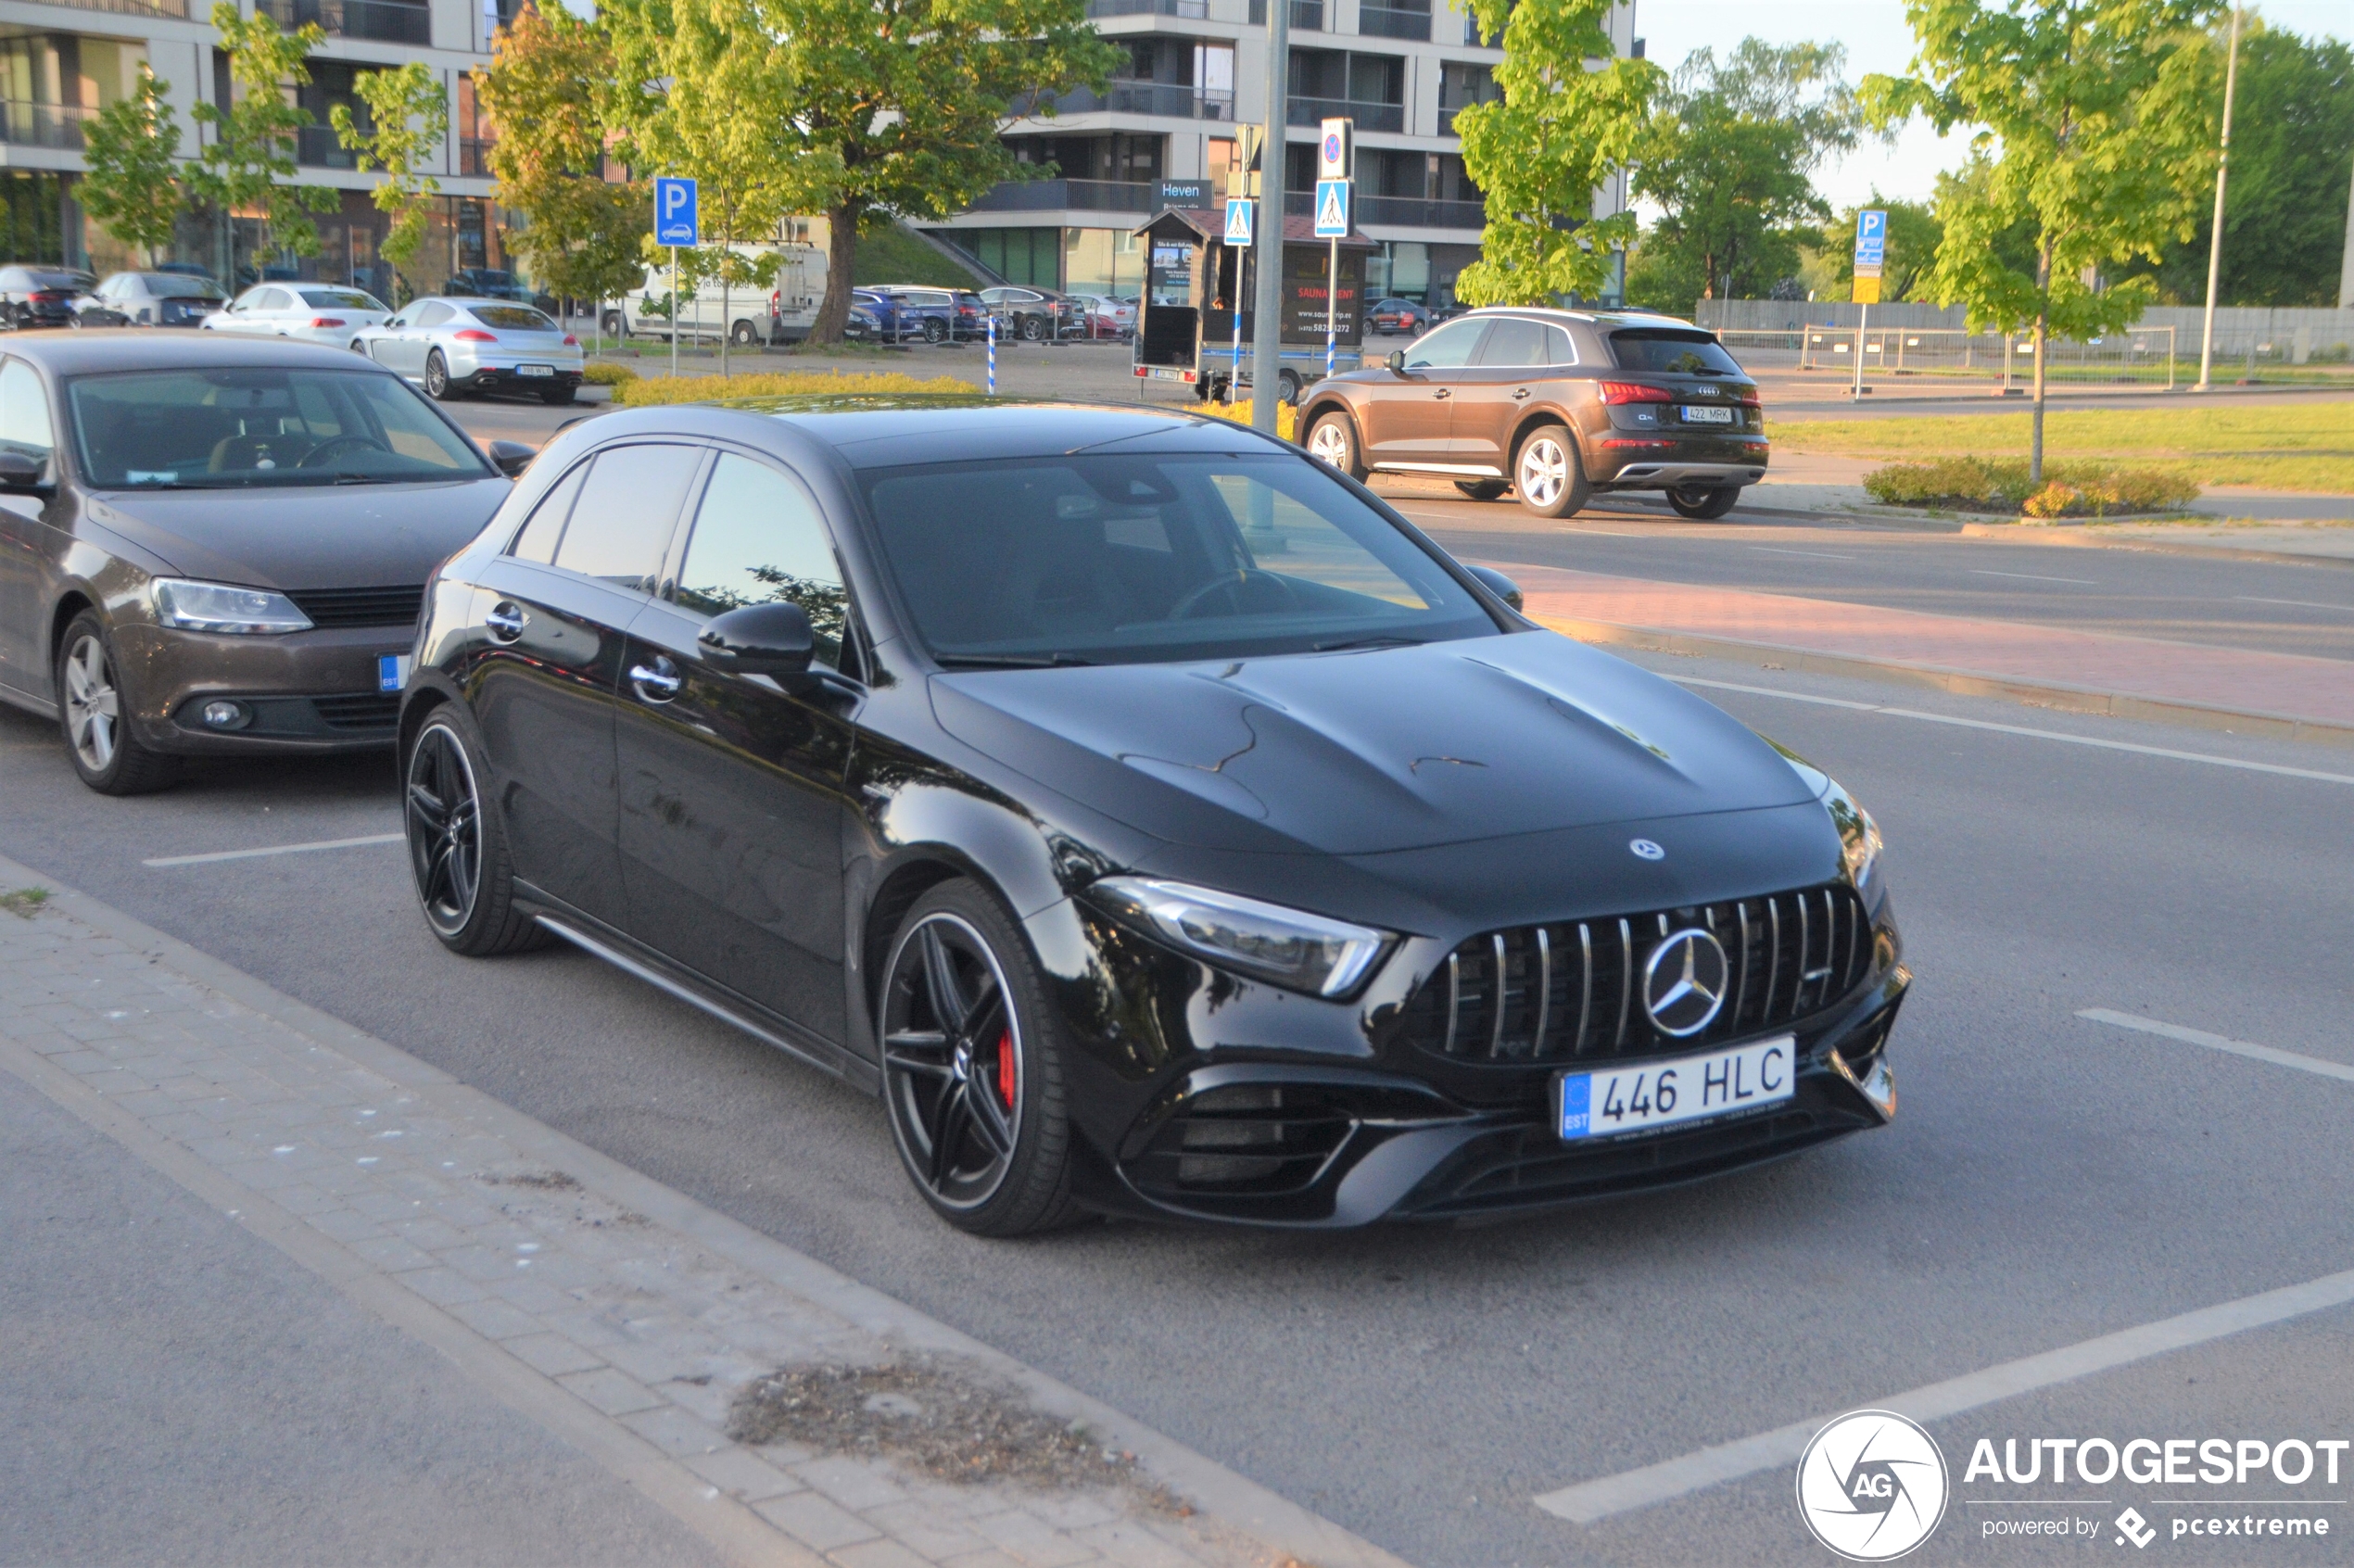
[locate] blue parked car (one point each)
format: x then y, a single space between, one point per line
941 315
879 317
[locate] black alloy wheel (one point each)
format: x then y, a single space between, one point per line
1704 502
437 378
970 1073
935 330
1482 490
92 710
457 851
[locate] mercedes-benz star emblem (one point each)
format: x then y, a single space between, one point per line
1684 983
1646 850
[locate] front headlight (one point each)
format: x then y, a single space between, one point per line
1286 947
1858 834
216 607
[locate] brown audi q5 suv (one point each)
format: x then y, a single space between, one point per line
1558 405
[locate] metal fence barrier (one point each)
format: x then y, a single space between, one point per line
2137 356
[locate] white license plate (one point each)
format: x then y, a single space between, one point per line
1162 373
392 671
534 370
1701 414
1648 1095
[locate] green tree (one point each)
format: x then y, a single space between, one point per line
1572 115
251 157
1730 157
409 114
1914 231
549 72
2097 124
131 152
890 105
2285 218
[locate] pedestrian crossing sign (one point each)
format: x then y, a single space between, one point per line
1238 220
1332 209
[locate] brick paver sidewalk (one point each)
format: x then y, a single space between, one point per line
623 1317
2315 693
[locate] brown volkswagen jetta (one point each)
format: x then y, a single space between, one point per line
1558 405
210 546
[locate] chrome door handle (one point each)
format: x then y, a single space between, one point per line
1442 392
505 621
1519 395
657 682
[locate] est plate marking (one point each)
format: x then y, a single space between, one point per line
1648 1095
392 671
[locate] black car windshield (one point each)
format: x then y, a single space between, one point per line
227 428
1137 558
1672 353
512 318
173 286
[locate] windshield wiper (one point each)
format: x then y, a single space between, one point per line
1385 640
1011 660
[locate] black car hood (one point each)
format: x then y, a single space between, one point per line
1368 752
323 537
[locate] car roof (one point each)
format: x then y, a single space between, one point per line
62 352
1600 318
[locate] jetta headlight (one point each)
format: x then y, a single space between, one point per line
1286 947
216 607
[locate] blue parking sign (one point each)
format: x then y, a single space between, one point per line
675 215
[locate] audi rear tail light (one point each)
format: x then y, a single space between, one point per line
472 335
1747 398
1635 392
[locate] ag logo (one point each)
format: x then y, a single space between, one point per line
1871 1486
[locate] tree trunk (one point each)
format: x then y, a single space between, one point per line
842 255
2043 332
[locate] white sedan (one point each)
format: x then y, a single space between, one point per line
325 313
455 346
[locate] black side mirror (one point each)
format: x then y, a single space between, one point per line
24 473
767 640
1398 361
1498 584
510 457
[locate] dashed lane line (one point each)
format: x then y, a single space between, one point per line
276 849
2247 1048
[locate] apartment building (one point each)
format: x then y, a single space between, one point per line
1162 133
62 64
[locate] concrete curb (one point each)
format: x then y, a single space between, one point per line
2012 533
1221 1496
1960 682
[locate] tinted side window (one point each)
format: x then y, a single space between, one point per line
1559 350
758 541
1449 347
24 411
621 523
538 540
1672 353
1513 341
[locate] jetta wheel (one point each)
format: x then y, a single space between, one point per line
970 1069
1703 501
457 851
1548 473
104 753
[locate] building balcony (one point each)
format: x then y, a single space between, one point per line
1307 16
1191 10
1369 117
177 11
1173 99
1399 212
1394 22
381 21
27 124
1074 195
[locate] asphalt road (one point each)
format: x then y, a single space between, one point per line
2048 1178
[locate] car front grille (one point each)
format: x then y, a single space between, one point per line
363 711
360 606
1574 989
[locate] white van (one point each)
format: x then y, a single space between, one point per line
781 313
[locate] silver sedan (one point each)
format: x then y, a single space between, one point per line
455 346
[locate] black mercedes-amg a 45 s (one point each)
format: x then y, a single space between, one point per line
1148 813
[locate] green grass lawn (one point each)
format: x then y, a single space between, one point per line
895 255
2281 446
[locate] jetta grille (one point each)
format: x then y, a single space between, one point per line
1555 992
360 606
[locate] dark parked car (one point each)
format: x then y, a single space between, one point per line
149 299
1037 315
216 546
1149 815
1396 315
40 297
487 282
940 315
879 317
1556 404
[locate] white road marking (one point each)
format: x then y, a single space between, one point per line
2247 1048
2033 577
2021 729
1590 1501
276 849
1816 554
2300 603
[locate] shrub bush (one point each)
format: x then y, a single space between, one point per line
647 391
608 375
1286 416
2000 484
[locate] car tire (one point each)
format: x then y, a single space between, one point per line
556 397
458 854
1703 503
935 330
105 754
972 1068
744 335
1332 440
359 348
1033 329
616 324
1287 389
1549 474
1482 490
437 381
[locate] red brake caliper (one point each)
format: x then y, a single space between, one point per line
1006 1069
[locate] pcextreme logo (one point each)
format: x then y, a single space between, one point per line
1871 1486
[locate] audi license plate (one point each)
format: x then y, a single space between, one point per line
534 370
1702 414
1646 1097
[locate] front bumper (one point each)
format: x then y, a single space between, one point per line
317 691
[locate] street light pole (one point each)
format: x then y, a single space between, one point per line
2215 236
1267 329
